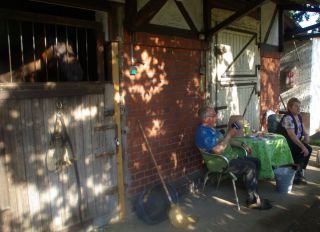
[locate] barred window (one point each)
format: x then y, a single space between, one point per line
49 48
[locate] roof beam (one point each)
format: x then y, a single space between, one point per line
146 13
82 4
299 30
206 8
298 7
304 36
281 28
236 16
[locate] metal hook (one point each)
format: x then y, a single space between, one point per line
59 105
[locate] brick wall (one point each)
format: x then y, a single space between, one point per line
270 86
165 96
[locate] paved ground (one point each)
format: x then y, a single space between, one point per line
293 212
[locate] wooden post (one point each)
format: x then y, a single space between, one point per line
100 55
117 116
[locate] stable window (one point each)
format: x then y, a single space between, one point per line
49 48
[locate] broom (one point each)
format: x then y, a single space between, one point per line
177 218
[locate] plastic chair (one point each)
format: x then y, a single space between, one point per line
273 122
219 164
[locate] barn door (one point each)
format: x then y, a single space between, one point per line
235 76
41 198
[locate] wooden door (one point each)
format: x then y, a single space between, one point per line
235 75
40 199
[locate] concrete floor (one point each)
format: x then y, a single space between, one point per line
217 211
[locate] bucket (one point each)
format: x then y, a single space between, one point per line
152 205
284 179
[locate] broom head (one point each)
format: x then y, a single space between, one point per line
179 219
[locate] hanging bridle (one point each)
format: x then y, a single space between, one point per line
58 156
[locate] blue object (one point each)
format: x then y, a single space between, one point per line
284 179
133 70
206 137
273 123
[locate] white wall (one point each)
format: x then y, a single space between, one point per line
315 87
305 63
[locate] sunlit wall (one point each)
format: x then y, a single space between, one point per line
164 95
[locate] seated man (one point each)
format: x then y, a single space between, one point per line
211 140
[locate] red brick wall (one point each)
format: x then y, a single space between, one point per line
165 96
270 86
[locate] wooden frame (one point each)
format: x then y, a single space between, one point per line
92 4
281 28
42 18
49 89
239 14
139 21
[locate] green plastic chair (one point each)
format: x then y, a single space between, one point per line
219 165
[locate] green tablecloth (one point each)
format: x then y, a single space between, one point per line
272 150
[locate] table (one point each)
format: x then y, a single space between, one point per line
272 150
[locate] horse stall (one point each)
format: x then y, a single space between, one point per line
58 142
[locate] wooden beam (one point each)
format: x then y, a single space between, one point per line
233 5
299 30
50 19
130 12
100 55
186 16
117 116
298 7
269 51
304 36
206 16
115 22
281 29
101 5
48 89
146 13
165 30
236 16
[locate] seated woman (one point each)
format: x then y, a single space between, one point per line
291 126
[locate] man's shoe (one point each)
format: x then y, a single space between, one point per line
297 181
303 180
300 181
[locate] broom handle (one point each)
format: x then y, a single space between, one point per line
155 164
